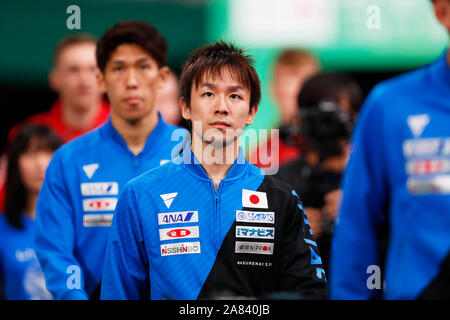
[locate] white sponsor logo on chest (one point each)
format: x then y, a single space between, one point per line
99 204
97 220
178 233
254 247
255 216
99 188
180 248
255 232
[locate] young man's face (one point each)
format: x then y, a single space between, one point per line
131 80
219 109
74 76
286 86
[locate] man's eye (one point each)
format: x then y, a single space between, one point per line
208 94
117 68
144 67
235 96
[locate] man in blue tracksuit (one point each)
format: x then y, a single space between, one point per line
398 179
86 176
209 224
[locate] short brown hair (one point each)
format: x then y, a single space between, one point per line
132 32
211 59
73 39
297 58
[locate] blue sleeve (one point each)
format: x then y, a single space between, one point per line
365 187
125 270
54 240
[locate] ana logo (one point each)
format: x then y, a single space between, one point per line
253 216
417 123
99 204
168 198
254 199
90 169
176 233
99 188
180 248
177 217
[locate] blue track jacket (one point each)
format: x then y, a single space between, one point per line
78 198
398 175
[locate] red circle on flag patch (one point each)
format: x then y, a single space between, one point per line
254 199
265 248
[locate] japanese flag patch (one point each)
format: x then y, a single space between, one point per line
254 199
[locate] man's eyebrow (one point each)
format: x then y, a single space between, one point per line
208 85
236 88
120 60
230 88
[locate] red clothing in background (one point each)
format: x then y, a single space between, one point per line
54 120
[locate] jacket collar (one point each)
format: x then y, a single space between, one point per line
193 165
109 130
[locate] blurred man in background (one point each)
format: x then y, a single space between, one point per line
327 106
398 180
79 107
85 177
292 68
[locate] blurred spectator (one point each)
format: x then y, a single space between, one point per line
327 103
80 107
397 187
167 100
28 156
292 68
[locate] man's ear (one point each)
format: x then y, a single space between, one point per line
252 114
53 80
101 81
185 110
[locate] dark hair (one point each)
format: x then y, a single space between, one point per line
15 195
211 59
131 32
329 86
73 39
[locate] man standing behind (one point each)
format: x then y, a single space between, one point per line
208 224
85 177
79 107
397 180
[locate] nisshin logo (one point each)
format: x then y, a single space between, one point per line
180 248
97 220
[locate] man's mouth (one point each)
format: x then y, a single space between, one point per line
133 100
220 124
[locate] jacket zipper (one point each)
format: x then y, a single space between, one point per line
216 216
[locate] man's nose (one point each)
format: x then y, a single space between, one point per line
131 79
221 106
